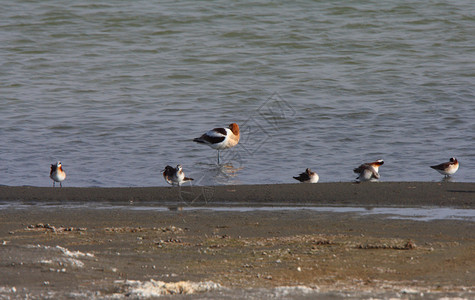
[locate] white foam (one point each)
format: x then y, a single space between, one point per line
66 258
155 288
285 291
75 254
7 290
75 262
46 262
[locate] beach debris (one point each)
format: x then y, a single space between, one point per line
169 241
281 292
409 245
267 277
170 229
322 242
51 228
76 254
156 288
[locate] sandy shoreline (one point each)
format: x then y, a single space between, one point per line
345 193
85 253
81 252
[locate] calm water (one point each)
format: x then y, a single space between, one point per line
410 213
117 90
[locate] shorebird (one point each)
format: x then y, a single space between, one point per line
175 176
57 173
447 168
308 176
369 171
220 138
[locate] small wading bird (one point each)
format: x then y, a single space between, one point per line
448 168
220 138
308 176
175 176
369 171
57 173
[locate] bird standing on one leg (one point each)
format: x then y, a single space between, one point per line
220 138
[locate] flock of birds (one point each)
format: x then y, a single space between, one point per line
225 138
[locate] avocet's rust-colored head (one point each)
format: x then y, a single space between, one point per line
234 128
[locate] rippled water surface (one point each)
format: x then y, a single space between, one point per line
117 90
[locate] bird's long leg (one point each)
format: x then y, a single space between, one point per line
218 157
53 183
61 184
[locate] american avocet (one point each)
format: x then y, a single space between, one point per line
175 176
368 171
57 173
220 138
308 176
447 168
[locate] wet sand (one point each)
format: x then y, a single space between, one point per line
343 193
84 252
